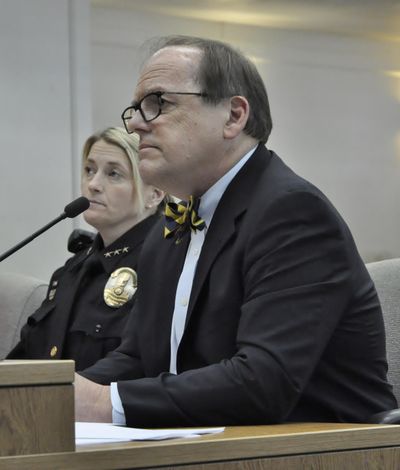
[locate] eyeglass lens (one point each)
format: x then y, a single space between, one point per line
150 108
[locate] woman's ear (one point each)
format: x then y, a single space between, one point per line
154 197
238 116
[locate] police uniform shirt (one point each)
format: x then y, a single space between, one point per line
88 303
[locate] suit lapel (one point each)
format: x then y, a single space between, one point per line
231 208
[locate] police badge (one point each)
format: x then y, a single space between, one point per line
120 287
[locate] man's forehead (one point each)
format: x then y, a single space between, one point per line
170 66
178 53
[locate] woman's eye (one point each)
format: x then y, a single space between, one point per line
114 174
89 171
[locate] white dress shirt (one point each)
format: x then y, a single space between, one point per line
208 204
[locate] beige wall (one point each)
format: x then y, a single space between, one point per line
45 113
68 69
335 107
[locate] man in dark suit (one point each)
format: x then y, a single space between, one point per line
257 307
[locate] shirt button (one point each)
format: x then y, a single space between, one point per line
196 252
97 328
184 302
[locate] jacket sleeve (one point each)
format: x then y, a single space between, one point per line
118 364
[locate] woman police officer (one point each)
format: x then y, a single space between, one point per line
90 297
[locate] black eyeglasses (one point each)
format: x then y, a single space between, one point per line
150 106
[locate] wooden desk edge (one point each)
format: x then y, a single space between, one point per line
235 443
21 372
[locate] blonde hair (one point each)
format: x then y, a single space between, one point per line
129 143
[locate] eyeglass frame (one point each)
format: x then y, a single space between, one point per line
138 106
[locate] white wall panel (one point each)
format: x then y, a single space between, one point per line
38 139
335 109
66 70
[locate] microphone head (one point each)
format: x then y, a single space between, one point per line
76 207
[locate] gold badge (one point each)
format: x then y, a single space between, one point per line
120 287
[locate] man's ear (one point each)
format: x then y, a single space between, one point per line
238 116
154 198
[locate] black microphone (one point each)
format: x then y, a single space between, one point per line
71 210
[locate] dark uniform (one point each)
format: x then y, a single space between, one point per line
87 303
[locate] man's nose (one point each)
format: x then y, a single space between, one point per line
137 123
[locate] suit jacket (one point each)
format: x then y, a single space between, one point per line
283 324
74 321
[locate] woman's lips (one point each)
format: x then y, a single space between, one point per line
96 202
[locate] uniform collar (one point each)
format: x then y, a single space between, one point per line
111 255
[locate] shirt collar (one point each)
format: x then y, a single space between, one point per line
212 196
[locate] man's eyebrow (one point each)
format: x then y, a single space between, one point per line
134 102
148 92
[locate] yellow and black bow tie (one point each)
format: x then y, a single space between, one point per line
182 217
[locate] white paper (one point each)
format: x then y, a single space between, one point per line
95 433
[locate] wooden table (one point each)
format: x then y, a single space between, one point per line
36 407
279 447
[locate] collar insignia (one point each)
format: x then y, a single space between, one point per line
109 254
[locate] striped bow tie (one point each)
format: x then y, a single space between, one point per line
181 217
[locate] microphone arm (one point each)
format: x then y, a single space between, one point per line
73 209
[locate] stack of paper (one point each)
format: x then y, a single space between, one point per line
95 433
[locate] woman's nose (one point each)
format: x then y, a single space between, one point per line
95 183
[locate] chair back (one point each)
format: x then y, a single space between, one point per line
20 296
386 276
